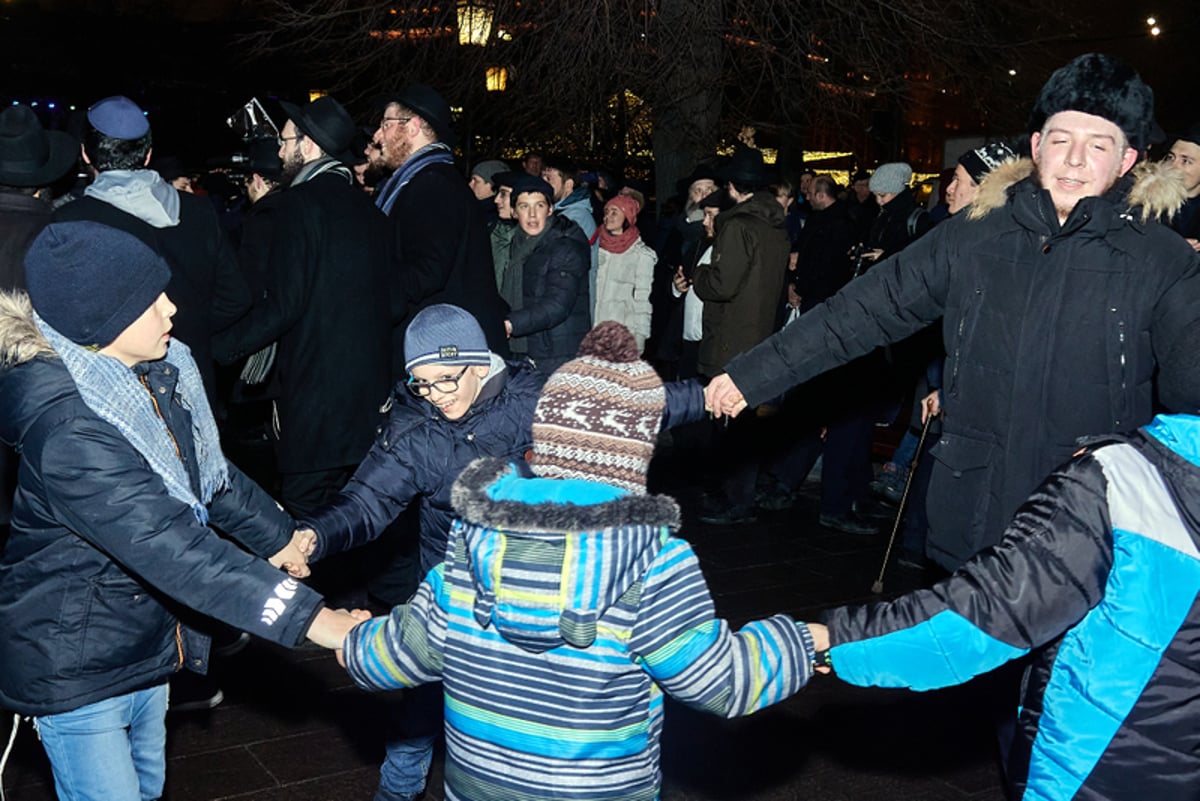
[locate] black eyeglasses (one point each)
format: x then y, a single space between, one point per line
443 385
383 124
283 139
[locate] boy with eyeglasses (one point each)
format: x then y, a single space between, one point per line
460 402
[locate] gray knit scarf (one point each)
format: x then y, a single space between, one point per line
114 393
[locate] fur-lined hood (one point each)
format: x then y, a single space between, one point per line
549 557
20 339
1155 191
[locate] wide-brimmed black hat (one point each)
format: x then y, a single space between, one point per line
702 172
427 104
746 168
326 123
29 154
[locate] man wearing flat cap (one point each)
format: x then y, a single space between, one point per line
441 251
1058 290
205 284
325 307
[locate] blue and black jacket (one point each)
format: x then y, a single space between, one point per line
1098 576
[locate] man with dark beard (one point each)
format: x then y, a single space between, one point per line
326 305
441 252
1057 289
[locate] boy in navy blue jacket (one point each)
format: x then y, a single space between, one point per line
121 476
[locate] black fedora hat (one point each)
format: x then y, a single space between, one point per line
746 168
702 172
426 103
29 154
326 123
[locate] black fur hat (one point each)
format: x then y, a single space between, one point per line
1101 85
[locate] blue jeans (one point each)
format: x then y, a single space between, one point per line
410 744
112 750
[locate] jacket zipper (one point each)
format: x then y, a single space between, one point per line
158 411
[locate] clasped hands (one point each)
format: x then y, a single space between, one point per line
293 557
722 397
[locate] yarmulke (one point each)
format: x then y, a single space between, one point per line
90 281
1101 85
599 414
982 160
444 334
118 117
891 178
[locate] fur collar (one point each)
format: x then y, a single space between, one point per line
20 339
1157 193
469 496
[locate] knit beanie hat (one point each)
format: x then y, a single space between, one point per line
628 206
90 281
982 160
488 170
891 178
1103 86
444 334
1179 372
599 414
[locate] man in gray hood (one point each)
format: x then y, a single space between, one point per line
205 284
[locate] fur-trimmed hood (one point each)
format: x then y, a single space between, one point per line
549 557
33 379
1150 191
20 339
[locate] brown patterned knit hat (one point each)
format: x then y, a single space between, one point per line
598 416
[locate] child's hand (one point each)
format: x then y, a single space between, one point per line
293 557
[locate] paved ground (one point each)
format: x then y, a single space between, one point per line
292 727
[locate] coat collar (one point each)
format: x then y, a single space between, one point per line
1150 191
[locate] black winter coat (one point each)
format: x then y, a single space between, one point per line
822 264
555 311
742 286
420 453
327 306
1051 333
417 456
22 218
443 254
101 559
892 231
206 285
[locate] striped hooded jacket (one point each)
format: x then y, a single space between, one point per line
1098 576
562 613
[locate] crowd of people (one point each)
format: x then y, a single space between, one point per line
197 393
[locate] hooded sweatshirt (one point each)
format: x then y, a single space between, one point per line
563 611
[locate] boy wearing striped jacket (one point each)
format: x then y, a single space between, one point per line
565 607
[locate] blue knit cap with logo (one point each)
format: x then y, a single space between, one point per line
444 334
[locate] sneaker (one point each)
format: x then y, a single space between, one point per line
848 524
728 516
888 488
191 692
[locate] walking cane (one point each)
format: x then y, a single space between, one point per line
877 587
